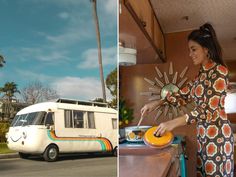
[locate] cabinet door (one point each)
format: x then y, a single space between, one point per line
145 14
174 170
159 39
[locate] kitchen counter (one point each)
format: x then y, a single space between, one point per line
144 161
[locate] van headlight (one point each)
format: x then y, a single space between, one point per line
24 135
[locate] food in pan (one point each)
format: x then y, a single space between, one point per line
131 135
135 133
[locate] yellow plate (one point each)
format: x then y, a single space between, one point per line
159 142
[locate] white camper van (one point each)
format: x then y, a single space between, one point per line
64 126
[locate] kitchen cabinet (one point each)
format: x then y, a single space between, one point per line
143 14
158 38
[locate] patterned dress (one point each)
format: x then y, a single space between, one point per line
214 135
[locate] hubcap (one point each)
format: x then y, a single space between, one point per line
52 153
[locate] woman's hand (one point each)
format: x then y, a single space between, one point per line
170 125
149 107
163 127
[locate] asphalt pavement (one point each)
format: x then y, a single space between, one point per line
73 165
9 155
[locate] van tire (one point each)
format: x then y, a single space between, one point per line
115 151
23 155
51 153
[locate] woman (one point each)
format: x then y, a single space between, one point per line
208 90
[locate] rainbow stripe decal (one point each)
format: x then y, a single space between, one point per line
105 143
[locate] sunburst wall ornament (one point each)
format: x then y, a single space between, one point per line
166 82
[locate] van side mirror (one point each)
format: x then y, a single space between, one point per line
48 126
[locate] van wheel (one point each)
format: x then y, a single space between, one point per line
23 155
51 153
115 151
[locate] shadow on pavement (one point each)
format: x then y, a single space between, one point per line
63 157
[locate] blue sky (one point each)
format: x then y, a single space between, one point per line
54 41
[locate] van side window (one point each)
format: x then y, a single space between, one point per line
114 123
49 119
68 119
78 117
91 122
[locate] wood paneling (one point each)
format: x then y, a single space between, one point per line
232 70
232 118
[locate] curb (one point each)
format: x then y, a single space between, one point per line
10 155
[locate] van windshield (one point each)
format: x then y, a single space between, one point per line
34 118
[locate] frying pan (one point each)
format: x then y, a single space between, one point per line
135 133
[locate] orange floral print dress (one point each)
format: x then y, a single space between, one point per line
214 135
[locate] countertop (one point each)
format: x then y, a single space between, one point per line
144 161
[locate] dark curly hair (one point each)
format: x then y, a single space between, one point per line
206 37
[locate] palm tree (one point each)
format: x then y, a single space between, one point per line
94 3
2 61
9 89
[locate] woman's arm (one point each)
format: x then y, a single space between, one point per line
149 107
214 89
177 99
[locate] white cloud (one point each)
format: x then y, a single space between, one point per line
63 15
90 58
79 27
32 76
53 56
44 54
71 36
87 88
61 2
110 5
80 24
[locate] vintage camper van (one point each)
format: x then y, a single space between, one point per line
63 126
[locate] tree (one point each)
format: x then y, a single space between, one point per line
2 61
4 127
35 92
9 89
99 100
94 3
111 83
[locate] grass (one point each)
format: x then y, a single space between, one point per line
4 149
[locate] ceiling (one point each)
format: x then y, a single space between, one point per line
220 13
